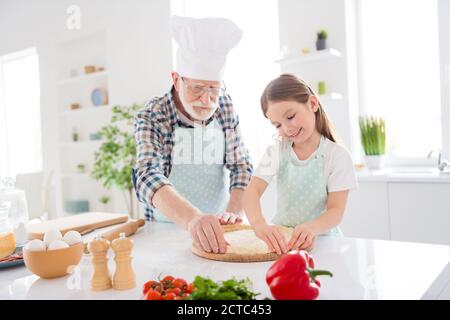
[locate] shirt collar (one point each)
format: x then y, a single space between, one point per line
172 108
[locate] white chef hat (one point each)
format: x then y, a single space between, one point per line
203 45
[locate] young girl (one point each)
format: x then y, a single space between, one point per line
314 173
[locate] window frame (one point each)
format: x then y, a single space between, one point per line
392 161
4 58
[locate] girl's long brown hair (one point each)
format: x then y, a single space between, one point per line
289 87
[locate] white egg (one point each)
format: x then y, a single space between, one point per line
72 237
57 244
52 235
36 245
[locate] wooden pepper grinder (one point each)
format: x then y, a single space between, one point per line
101 279
124 277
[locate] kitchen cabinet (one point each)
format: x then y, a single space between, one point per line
420 212
389 208
367 212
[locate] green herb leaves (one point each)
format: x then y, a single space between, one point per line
232 289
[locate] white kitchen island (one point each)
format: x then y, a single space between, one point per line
363 269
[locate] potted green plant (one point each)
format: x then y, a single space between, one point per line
373 138
81 168
114 161
321 42
104 200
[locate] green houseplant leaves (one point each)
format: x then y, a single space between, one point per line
114 161
373 135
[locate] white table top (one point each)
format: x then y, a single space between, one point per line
363 269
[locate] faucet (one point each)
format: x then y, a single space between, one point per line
442 163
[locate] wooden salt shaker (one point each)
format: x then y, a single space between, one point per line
101 278
124 277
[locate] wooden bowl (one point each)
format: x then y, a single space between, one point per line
53 263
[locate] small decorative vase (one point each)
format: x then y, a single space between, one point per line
375 162
321 44
322 87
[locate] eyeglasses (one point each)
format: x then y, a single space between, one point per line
198 91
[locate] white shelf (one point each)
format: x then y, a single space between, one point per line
85 110
88 143
72 54
311 57
83 77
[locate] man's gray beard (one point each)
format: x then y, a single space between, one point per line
189 108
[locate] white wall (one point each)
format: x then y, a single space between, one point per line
299 22
139 51
444 41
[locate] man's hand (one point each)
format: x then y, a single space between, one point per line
207 234
229 218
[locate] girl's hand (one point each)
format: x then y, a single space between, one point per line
229 218
303 238
272 236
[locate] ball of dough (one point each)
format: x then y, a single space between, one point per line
58 244
51 236
72 237
36 245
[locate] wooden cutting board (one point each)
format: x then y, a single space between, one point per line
83 223
234 257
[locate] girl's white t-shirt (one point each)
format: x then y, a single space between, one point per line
338 167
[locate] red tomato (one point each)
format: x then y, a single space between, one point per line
177 291
167 278
169 296
180 283
167 282
153 295
152 284
190 288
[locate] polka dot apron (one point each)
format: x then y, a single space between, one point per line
198 168
301 189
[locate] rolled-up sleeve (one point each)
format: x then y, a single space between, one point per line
237 158
149 168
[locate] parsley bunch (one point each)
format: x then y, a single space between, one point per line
232 289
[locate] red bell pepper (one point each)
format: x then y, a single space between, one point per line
292 277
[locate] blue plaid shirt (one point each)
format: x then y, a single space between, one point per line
154 134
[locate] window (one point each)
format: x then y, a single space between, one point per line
250 65
399 73
20 123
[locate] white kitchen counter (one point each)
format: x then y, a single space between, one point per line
405 175
363 269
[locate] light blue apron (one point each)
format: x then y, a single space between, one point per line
302 189
198 168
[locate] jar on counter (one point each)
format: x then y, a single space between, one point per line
7 239
18 208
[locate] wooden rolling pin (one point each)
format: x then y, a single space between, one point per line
128 228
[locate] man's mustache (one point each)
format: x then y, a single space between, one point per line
199 104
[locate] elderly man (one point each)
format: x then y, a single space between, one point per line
189 138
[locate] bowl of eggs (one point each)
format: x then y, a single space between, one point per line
55 255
